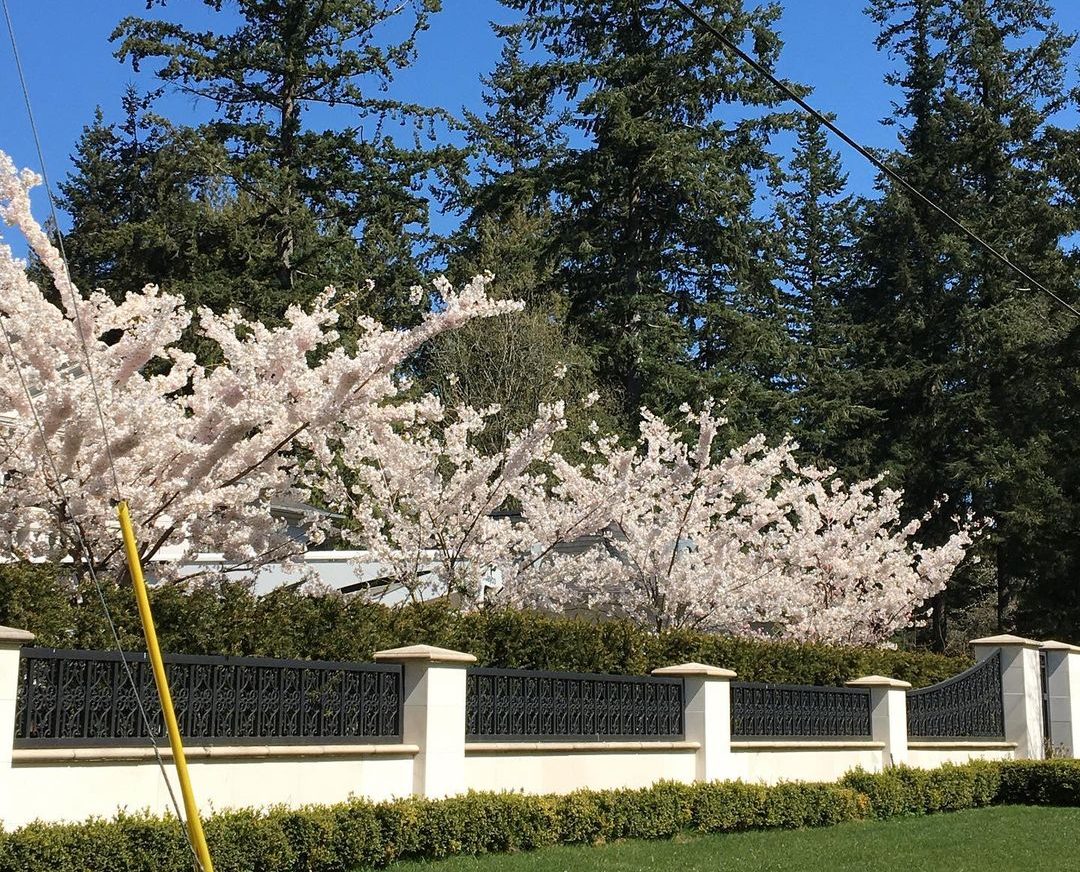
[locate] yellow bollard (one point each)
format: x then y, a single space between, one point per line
191 811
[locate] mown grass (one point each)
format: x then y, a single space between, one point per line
1001 839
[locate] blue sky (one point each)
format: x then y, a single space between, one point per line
70 67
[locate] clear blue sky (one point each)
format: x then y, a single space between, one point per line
70 67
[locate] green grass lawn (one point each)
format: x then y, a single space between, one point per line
981 840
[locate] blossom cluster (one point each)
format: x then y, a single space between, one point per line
99 399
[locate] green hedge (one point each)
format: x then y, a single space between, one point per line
229 619
363 835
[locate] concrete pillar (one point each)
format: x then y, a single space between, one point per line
707 716
434 715
888 716
1063 684
11 641
1021 690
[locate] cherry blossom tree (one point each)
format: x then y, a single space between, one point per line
99 400
749 542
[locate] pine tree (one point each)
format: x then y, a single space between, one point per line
636 148
958 354
341 204
145 210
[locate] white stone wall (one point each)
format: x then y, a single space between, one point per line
565 767
771 762
48 787
67 784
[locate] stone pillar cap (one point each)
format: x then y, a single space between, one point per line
10 634
423 654
877 681
1054 645
685 670
1006 639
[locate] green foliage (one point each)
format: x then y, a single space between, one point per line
1043 782
362 835
630 145
906 791
229 619
969 372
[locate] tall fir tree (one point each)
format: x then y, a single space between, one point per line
340 201
958 354
817 223
639 146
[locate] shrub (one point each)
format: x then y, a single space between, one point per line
363 835
1041 782
229 619
905 791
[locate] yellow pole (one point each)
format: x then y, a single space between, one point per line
191 811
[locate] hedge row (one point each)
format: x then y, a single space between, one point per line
229 619
363 835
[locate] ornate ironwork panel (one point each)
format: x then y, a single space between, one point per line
522 705
792 711
87 698
968 705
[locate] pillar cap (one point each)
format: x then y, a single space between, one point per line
423 654
10 634
877 681
686 670
1054 645
1006 639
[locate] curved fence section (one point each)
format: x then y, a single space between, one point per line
71 698
968 705
523 705
788 711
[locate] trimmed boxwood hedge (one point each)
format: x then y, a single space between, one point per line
363 835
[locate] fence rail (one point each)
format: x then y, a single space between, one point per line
968 705
790 711
72 698
523 705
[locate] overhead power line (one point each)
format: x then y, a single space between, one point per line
824 120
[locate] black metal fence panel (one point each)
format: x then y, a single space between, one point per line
70 698
523 705
789 711
968 705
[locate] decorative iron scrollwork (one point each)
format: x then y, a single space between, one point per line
968 705
87 698
792 711
521 705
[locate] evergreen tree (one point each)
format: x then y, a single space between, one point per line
817 225
341 204
635 145
959 356
145 210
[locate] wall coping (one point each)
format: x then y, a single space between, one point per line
1054 645
877 681
1007 639
32 756
949 744
807 745
687 670
12 635
423 654
575 747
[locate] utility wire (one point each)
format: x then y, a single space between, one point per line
51 460
788 92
